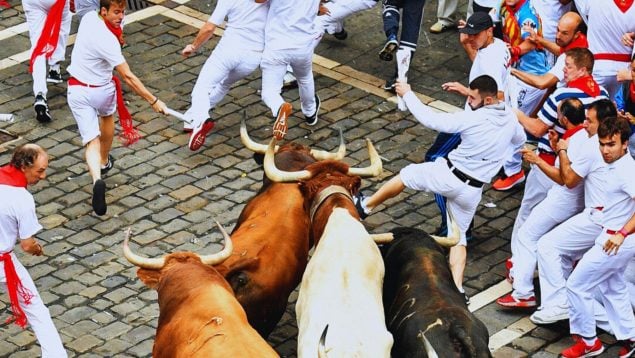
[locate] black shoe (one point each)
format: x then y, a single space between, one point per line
342 35
54 77
109 165
41 109
389 48
99 197
312 120
390 85
358 205
467 299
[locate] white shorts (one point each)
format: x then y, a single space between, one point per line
89 103
436 177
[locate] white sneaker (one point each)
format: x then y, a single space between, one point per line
549 315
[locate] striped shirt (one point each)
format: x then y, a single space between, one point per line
549 112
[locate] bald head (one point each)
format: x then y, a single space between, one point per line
568 28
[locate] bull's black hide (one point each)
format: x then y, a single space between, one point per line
420 299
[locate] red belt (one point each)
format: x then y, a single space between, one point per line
622 57
550 158
75 82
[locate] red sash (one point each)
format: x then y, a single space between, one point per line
571 131
587 85
47 42
579 42
10 175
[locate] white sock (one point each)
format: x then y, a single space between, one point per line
55 67
589 342
366 210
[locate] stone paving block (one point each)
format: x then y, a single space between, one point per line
84 343
22 339
508 352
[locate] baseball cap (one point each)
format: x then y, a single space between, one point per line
476 23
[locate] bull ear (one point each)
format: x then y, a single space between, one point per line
149 277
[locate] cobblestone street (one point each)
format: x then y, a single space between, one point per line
170 195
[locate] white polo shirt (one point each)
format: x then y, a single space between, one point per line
493 61
591 166
17 216
96 53
576 153
291 24
620 193
246 20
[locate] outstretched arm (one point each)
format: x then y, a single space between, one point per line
204 34
137 86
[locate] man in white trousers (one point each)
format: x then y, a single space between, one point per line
94 93
333 13
18 221
566 243
36 13
237 55
467 168
601 269
290 38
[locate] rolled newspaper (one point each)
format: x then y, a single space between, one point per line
403 63
7 117
178 115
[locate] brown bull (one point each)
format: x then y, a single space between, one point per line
198 313
271 240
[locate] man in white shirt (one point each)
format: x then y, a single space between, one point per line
94 94
601 269
566 243
18 221
290 38
237 55
473 163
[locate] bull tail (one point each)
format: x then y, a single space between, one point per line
322 344
458 332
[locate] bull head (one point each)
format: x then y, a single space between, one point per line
158 263
317 154
276 175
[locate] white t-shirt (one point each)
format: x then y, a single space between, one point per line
575 152
550 12
96 53
558 70
493 61
620 193
590 165
291 24
17 216
246 20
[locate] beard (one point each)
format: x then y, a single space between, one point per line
479 105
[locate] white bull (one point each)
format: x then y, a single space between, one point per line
342 288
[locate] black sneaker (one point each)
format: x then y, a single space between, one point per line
342 35
99 197
41 109
358 198
312 120
627 350
109 165
55 76
390 85
467 299
389 48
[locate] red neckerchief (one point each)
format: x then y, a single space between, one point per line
10 175
587 85
571 131
129 134
623 5
15 288
580 42
47 42
631 90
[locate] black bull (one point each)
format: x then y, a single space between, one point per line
422 303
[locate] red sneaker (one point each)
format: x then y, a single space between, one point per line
579 349
510 301
508 265
627 349
197 138
507 182
280 127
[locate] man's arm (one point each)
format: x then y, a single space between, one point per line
541 41
569 177
138 87
533 126
612 245
539 81
204 34
552 172
31 246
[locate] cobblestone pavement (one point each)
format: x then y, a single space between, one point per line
168 194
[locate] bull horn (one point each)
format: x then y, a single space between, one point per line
143 262
429 348
221 256
375 167
382 238
322 344
453 228
277 175
247 142
324 155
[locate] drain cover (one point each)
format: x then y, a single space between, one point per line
134 5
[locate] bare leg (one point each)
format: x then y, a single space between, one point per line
458 255
389 190
93 158
107 129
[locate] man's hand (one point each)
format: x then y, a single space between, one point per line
533 36
160 107
553 139
323 10
530 156
455 87
31 246
627 38
626 115
188 50
612 245
563 144
401 88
